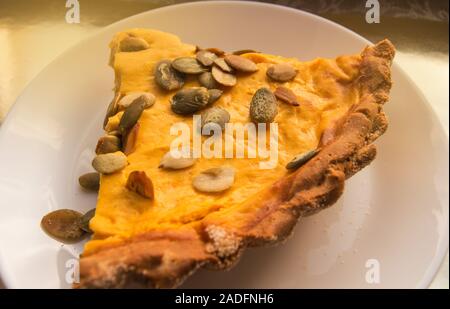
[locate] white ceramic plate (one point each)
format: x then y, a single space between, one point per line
394 212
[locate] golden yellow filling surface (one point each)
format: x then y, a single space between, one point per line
325 90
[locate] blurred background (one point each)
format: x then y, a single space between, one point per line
33 32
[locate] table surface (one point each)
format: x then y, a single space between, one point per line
34 32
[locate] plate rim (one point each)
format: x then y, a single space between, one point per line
437 260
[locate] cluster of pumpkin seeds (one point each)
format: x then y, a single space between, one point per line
214 69
281 73
112 149
69 226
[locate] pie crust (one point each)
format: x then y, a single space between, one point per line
164 258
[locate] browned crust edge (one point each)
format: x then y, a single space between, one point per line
165 259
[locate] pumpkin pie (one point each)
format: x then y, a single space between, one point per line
157 220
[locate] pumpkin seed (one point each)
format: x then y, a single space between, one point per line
108 143
214 115
129 140
63 226
240 63
133 44
188 101
167 77
301 159
214 95
286 95
281 72
207 80
223 65
147 100
90 181
188 65
176 159
244 51
111 110
206 57
109 162
217 51
140 183
263 107
83 223
214 179
223 78
130 116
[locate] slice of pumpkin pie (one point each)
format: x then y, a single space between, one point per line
208 152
